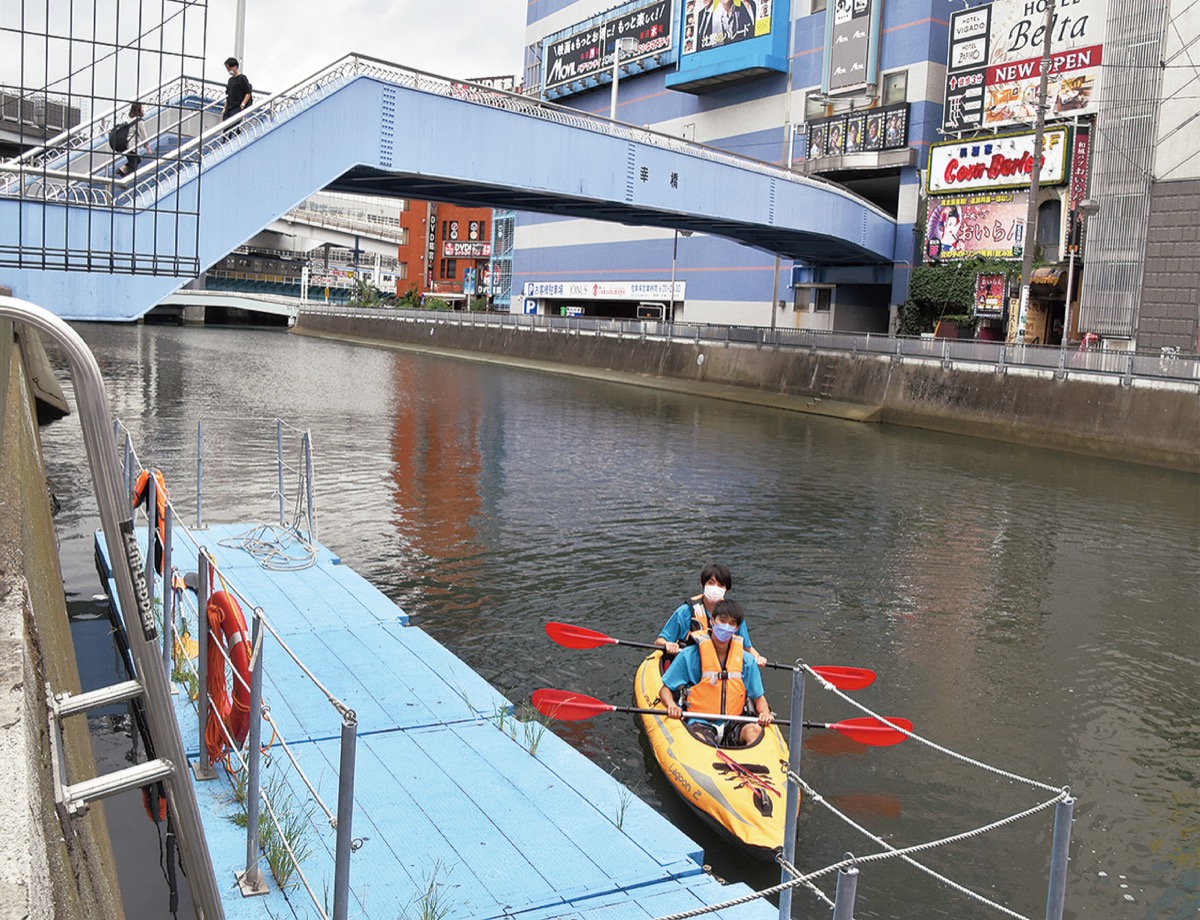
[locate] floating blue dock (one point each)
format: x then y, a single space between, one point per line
453 794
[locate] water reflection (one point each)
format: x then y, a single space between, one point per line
1033 609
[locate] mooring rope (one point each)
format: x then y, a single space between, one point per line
271 545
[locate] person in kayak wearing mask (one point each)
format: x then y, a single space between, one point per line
719 677
691 618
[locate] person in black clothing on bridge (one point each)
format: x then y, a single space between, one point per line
237 91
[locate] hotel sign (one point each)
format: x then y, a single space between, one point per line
1003 161
994 62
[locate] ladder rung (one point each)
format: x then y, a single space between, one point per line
71 703
88 790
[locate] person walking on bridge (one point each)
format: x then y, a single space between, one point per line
238 92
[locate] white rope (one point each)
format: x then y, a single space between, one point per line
337 704
799 876
1015 777
271 545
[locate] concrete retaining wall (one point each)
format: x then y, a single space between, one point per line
48 868
1157 425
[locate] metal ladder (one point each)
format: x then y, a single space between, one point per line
116 521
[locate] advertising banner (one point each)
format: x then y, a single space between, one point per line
870 130
465 249
587 49
989 294
994 63
605 290
999 162
849 53
968 226
716 23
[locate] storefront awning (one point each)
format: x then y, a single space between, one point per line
1054 278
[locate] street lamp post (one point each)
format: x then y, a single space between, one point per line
1084 210
621 46
670 317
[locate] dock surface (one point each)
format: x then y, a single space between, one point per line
452 792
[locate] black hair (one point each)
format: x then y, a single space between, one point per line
231 62
136 110
730 610
718 571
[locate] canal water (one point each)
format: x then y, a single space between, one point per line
1034 610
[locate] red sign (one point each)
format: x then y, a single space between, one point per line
989 295
1080 153
1002 161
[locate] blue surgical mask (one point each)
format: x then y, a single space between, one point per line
723 632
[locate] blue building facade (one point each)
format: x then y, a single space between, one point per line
868 74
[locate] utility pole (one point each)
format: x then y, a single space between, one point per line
1035 173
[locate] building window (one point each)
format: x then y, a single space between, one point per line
895 87
822 300
818 6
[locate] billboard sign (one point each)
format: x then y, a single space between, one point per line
466 249
859 132
717 23
969 226
605 290
994 63
989 294
848 57
586 49
1002 161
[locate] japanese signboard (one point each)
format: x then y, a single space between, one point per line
605 290
716 23
858 132
849 57
587 49
463 249
969 226
1002 161
989 294
994 62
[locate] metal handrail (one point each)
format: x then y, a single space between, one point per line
1103 363
116 521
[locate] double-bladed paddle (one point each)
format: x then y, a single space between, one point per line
580 637
568 706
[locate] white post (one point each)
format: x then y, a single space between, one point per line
239 33
670 317
616 76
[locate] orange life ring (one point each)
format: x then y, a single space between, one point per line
140 488
227 627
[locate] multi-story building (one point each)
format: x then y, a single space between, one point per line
910 103
447 253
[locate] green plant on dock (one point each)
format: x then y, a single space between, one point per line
281 831
430 903
533 724
624 800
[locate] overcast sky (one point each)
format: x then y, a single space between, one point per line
287 40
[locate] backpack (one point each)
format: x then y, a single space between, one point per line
118 137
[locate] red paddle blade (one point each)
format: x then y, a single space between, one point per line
577 636
561 704
846 678
868 730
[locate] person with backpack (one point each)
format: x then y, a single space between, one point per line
127 137
238 92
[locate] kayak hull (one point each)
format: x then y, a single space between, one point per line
738 791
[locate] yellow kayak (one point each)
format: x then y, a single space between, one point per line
739 791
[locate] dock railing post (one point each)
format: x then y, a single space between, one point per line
251 882
795 738
127 465
847 887
279 463
308 484
203 769
345 817
1059 854
168 601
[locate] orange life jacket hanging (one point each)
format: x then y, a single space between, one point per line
140 490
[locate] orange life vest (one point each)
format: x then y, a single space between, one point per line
226 622
721 689
140 489
699 626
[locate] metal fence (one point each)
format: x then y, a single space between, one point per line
1106 364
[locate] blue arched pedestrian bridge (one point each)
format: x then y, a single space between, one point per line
90 245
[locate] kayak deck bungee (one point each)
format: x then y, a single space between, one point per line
739 791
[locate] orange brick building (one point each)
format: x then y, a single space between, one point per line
448 251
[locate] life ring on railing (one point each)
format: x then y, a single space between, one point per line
227 636
140 488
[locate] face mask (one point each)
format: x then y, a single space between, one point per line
723 632
714 593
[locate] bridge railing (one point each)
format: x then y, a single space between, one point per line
1123 366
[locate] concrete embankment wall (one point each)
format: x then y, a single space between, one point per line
49 868
1155 424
